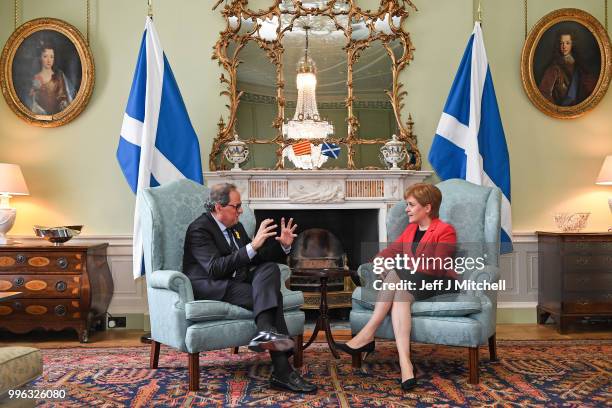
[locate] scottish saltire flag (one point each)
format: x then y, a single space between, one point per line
470 142
157 143
330 149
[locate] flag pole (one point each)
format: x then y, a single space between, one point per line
146 337
479 13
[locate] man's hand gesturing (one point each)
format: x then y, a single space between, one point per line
287 233
265 230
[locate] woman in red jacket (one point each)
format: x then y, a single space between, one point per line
433 242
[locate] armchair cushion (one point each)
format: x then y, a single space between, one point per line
18 366
214 335
209 310
448 304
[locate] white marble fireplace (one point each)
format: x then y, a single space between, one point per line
321 189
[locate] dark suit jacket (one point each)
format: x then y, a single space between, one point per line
209 262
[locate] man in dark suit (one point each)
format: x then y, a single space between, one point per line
223 263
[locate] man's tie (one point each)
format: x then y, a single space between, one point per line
232 237
240 274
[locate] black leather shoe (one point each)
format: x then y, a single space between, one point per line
270 341
409 384
368 348
295 383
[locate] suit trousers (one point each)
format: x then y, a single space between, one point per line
259 290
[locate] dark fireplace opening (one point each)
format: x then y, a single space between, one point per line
352 227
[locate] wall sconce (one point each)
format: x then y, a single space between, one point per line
11 183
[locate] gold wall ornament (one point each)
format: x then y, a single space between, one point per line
245 26
566 63
16 9
46 72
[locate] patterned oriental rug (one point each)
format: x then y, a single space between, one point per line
563 373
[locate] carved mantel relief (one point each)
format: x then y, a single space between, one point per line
311 191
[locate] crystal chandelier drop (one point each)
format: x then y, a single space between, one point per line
306 122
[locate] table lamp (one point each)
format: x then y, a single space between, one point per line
11 183
605 178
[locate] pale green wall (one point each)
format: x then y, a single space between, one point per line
74 178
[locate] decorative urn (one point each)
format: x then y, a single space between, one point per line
236 152
394 152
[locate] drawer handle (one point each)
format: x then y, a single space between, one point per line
60 310
61 286
20 258
19 282
17 305
62 262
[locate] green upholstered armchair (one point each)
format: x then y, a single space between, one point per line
465 319
177 320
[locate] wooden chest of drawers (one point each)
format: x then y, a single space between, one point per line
67 286
574 277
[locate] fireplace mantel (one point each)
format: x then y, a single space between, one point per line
319 189
319 186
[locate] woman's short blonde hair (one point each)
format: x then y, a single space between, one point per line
426 194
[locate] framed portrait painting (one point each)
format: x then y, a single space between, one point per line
46 72
566 63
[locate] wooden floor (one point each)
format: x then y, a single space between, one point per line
126 338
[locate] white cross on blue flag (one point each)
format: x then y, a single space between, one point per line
470 143
157 143
330 150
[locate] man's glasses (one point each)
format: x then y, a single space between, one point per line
236 206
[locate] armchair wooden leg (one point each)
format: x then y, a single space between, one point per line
298 351
235 350
154 357
356 361
194 371
473 365
492 348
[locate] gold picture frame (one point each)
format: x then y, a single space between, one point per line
47 72
235 37
566 63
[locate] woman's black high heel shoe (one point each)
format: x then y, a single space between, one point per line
409 384
368 348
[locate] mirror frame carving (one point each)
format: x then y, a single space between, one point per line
274 51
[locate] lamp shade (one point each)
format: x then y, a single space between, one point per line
11 180
605 174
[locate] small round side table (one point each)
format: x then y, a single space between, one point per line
323 320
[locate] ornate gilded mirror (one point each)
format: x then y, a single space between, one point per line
304 73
